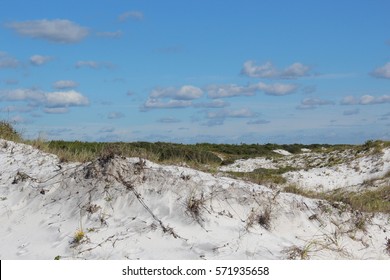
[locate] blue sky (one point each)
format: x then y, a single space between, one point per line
197 71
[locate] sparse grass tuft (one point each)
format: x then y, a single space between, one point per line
296 253
78 236
265 219
387 248
194 206
261 218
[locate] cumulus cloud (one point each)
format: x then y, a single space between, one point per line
38 60
7 61
136 15
184 93
365 100
65 84
115 115
57 30
65 99
52 100
277 89
171 97
382 72
268 70
232 90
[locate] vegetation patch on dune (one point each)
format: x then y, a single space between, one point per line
377 200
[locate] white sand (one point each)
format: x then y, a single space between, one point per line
130 209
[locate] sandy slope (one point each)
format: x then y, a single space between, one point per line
324 171
136 209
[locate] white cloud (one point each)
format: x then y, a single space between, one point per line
277 89
184 93
155 103
136 15
268 70
22 95
382 72
295 70
349 100
65 99
232 90
313 103
38 60
65 84
57 30
36 98
365 100
7 61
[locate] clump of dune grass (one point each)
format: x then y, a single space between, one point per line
377 200
8 132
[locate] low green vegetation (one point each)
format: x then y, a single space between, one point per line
263 176
377 200
8 132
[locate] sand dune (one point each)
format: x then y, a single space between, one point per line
131 208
